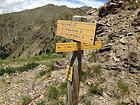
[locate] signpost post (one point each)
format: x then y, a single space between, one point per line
83 38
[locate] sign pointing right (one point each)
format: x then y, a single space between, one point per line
61 47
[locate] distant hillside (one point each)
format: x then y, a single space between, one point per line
29 32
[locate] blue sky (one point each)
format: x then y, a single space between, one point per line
8 6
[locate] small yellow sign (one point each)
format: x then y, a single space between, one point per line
62 47
79 31
69 71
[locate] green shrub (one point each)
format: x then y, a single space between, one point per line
57 103
121 103
41 103
83 75
96 70
21 81
51 66
7 70
101 79
31 59
133 56
26 100
132 1
48 51
40 52
107 57
64 40
63 87
52 93
11 70
110 74
94 89
40 74
92 57
137 68
3 80
107 41
27 67
88 102
123 87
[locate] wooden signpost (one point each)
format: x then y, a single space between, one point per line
83 38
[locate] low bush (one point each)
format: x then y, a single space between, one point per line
41 103
121 103
94 89
96 69
51 66
31 59
57 103
137 68
88 102
11 70
26 100
92 57
107 57
101 80
63 87
123 87
40 74
83 75
53 93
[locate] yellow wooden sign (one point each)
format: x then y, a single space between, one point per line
61 47
79 31
69 71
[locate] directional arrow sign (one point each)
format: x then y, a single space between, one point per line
61 47
79 31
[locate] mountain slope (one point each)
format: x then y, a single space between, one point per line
19 31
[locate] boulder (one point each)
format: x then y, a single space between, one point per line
110 8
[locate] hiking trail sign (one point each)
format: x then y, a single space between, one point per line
79 31
74 46
83 38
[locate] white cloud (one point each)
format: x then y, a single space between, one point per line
7 3
1 11
7 6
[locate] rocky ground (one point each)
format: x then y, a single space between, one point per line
111 75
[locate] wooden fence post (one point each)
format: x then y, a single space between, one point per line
74 86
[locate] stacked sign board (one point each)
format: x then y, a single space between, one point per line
82 32
79 31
